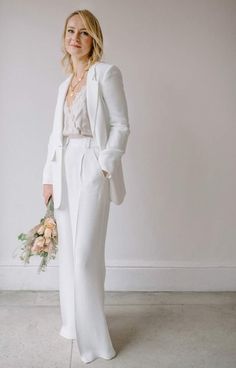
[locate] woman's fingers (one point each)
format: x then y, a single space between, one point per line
47 192
46 198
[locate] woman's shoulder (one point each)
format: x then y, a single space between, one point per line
103 66
105 69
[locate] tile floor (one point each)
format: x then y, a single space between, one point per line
148 329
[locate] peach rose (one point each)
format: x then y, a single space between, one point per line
38 244
47 240
41 230
48 247
49 222
47 233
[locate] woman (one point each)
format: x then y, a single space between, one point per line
83 173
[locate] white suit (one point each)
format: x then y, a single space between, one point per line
82 196
108 114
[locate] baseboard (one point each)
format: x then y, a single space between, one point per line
129 277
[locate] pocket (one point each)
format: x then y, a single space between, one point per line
53 155
98 165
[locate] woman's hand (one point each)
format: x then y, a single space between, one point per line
47 192
105 173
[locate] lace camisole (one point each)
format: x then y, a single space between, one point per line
76 119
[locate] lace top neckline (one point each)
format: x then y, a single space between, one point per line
77 94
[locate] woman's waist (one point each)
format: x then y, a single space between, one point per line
79 140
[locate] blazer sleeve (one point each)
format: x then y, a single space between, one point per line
47 170
47 177
114 97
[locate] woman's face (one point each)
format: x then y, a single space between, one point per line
78 42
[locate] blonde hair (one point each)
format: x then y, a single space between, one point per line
93 28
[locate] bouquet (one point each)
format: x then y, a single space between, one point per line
41 240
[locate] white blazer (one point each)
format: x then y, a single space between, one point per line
108 115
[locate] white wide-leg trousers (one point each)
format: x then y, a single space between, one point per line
82 224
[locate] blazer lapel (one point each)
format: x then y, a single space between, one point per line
91 95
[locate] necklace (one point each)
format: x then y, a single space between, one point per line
72 89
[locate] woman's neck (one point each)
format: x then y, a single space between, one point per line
79 66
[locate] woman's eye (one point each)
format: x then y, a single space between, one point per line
83 32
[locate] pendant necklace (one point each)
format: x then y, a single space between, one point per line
72 89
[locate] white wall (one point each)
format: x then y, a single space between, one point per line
176 228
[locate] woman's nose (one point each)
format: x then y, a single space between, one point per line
76 37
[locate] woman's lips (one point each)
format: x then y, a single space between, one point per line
76 46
